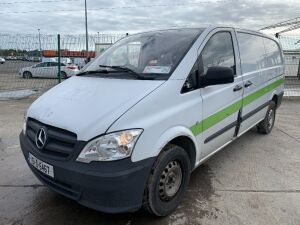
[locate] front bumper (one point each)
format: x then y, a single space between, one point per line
111 187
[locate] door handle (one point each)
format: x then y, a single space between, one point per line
248 83
237 88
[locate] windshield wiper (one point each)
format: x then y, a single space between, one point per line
126 69
100 71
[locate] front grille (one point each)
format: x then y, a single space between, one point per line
60 143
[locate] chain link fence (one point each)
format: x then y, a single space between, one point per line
291 51
31 60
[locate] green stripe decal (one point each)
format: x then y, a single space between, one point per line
210 121
252 97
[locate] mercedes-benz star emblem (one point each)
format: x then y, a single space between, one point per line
41 138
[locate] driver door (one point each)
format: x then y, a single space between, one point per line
221 103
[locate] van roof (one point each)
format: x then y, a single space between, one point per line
212 28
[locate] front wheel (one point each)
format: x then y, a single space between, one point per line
63 75
266 126
27 75
168 181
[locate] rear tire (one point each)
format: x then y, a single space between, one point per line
63 75
27 75
168 181
266 126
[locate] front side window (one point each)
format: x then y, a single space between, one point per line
218 51
152 54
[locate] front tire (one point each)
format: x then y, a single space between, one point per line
168 181
63 75
27 75
266 126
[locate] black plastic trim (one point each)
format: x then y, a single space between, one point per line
248 115
279 99
236 123
220 132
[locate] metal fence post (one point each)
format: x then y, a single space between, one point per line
298 74
58 51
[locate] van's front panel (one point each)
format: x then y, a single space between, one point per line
164 117
113 187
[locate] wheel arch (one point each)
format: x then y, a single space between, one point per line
188 145
275 99
183 137
27 71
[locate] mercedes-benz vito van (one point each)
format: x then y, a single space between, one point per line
129 129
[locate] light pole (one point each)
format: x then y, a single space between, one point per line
41 54
86 29
98 38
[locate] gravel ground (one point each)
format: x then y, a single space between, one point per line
254 180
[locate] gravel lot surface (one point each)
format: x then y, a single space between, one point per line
254 180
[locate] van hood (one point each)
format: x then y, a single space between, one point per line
87 106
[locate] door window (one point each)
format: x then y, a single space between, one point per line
41 65
53 64
218 51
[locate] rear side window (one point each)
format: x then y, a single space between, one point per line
257 52
273 55
218 51
252 52
42 65
53 64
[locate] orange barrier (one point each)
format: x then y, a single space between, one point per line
67 53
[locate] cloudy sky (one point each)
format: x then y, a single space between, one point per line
119 16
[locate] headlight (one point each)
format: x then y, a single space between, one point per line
110 147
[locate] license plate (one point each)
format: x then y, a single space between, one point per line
41 166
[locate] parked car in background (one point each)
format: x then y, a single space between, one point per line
64 60
2 60
80 62
48 69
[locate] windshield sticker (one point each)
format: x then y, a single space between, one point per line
157 69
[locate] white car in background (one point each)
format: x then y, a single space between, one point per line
2 60
48 69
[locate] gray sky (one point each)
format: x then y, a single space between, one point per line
113 16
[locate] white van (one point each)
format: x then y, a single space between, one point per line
128 130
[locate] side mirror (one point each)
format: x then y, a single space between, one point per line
191 82
217 75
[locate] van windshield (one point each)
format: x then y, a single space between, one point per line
150 55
